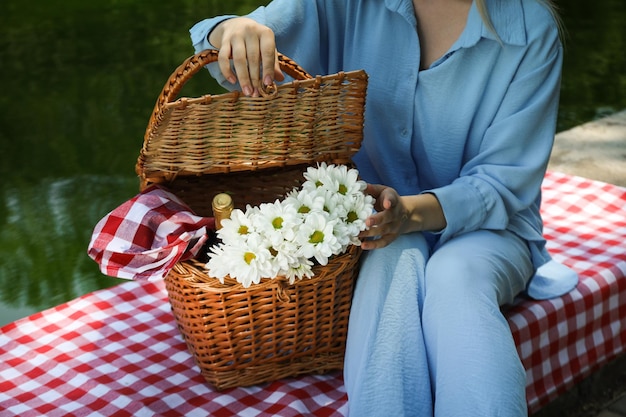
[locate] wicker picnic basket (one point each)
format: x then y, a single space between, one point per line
256 149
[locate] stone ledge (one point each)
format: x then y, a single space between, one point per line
592 395
594 150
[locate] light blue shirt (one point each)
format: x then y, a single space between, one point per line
476 128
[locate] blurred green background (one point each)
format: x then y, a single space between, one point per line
79 81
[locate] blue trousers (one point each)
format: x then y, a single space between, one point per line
426 335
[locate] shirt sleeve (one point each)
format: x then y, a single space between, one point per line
199 39
504 177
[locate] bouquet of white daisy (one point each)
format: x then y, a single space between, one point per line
318 220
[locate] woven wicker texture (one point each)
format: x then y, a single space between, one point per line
311 119
256 150
241 337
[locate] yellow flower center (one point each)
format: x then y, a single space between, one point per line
343 189
243 230
248 257
352 217
304 210
277 223
316 237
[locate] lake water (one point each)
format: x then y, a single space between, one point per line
79 83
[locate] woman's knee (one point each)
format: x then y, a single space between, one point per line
489 264
409 251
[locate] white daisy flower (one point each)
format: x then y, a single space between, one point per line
299 270
219 262
334 205
284 255
316 238
317 177
359 208
237 228
346 180
247 263
342 233
305 201
276 221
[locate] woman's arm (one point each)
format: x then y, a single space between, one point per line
504 177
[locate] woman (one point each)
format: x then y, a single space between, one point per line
460 120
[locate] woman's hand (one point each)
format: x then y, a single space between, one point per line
399 214
252 48
388 222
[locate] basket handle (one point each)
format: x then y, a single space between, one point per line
185 71
196 62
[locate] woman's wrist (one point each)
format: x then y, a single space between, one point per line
215 35
425 213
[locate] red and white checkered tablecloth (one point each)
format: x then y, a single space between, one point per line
118 351
565 339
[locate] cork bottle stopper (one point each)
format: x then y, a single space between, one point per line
222 207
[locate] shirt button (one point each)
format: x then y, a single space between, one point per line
404 132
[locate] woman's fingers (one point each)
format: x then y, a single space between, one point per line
278 73
386 197
248 54
388 222
223 60
379 242
269 59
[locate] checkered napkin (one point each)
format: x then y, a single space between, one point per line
144 237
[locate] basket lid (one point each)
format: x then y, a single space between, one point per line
305 121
